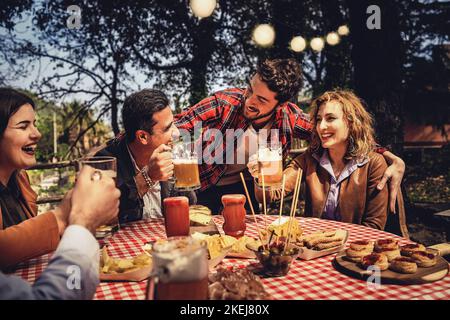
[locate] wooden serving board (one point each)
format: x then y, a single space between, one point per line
423 275
210 229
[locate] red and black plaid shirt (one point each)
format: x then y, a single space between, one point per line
224 110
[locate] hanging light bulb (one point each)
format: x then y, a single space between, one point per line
298 44
264 35
333 38
317 44
203 8
343 30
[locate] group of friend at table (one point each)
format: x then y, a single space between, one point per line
345 172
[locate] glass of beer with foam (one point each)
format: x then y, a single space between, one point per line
270 164
185 162
107 167
180 270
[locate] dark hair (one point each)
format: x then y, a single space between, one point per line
282 76
138 110
10 101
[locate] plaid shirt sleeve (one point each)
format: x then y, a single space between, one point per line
208 111
299 122
379 149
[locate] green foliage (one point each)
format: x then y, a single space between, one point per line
431 189
428 180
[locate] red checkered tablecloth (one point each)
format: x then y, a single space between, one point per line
314 279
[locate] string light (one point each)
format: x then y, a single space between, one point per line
298 44
317 44
333 38
343 30
264 35
203 8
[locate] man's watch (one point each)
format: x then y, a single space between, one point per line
150 183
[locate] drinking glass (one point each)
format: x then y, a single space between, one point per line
270 163
186 173
108 167
180 270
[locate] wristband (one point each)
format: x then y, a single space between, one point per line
150 183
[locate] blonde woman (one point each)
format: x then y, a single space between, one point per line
340 169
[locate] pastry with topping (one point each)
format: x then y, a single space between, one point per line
374 259
424 259
403 265
409 249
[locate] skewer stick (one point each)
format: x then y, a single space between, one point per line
293 208
251 207
281 203
264 200
294 196
282 197
298 185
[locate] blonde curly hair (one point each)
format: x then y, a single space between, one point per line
360 123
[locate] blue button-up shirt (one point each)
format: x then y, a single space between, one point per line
330 210
72 273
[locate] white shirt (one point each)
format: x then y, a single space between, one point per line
152 199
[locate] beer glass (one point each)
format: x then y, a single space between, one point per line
108 167
270 163
180 270
185 162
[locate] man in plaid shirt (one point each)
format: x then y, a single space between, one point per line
264 104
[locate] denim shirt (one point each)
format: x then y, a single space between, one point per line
330 210
71 274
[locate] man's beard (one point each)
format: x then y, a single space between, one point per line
252 119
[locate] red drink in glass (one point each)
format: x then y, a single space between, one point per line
180 268
234 214
176 216
189 290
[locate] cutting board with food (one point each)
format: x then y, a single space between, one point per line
201 220
409 264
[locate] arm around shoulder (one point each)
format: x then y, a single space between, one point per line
377 200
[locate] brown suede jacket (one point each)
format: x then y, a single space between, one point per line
33 237
360 202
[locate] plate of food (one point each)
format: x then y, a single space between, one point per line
199 215
105 231
321 243
200 219
240 247
408 264
218 247
280 228
133 269
236 284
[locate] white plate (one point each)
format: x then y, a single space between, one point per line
309 254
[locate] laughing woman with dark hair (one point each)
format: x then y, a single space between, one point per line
23 234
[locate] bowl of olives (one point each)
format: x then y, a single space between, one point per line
275 259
